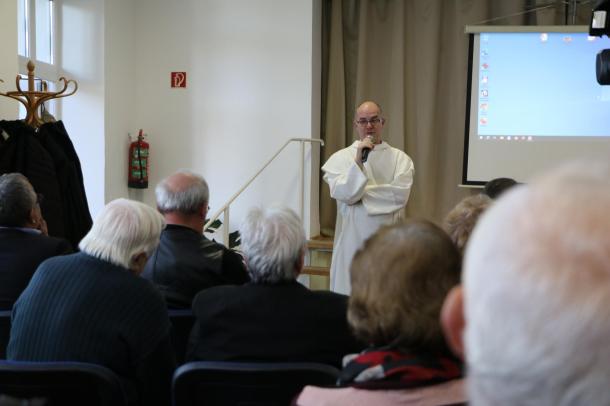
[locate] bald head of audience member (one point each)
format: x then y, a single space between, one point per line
183 199
536 294
125 233
461 220
273 243
19 203
400 278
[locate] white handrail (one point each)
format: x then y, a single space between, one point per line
225 208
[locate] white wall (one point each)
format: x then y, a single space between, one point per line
119 100
250 80
252 69
9 109
82 59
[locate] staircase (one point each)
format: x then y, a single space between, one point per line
317 268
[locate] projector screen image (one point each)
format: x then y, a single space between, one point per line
533 101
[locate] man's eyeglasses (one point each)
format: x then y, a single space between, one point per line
363 122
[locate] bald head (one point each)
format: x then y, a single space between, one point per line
537 293
183 192
368 107
368 121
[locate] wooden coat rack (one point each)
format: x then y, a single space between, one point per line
32 99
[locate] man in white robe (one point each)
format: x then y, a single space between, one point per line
368 194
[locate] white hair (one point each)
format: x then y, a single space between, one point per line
272 240
124 229
187 197
537 286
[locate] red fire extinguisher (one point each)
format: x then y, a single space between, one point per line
138 163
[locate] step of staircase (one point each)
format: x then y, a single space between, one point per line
320 243
316 270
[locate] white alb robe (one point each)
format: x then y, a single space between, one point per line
365 200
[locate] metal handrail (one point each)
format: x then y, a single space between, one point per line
225 208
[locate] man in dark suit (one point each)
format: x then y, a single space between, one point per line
186 261
273 318
24 242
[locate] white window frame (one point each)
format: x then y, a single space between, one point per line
49 72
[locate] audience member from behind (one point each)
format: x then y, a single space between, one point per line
461 220
24 242
273 318
399 278
536 294
186 261
93 307
495 187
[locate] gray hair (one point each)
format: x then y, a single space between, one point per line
183 192
124 229
17 199
537 286
272 240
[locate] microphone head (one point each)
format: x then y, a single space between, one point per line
365 154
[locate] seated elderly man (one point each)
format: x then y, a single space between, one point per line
186 261
24 242
536 294
92 306
399 280
273 318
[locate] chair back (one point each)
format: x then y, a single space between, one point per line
61 383
5 331
182 322
247 384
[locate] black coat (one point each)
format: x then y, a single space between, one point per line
20 254
187 262
276 323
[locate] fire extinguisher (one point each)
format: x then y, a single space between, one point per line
138 163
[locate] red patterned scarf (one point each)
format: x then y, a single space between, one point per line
387 368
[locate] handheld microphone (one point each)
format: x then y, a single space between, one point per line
365 151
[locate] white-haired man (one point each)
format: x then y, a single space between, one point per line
536 294
273 318
369 192
186 261
92 306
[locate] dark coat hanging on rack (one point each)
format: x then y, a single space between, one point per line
22 152
48 159
77 218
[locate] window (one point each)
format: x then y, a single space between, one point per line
37 42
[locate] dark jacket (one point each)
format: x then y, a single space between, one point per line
282 322
80 308
49 161
187 262
20 254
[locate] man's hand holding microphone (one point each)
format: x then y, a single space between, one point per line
365 146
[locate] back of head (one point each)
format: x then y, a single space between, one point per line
17 199
399 279
123 229
537 293
272 240
184 192
461 220
495 187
